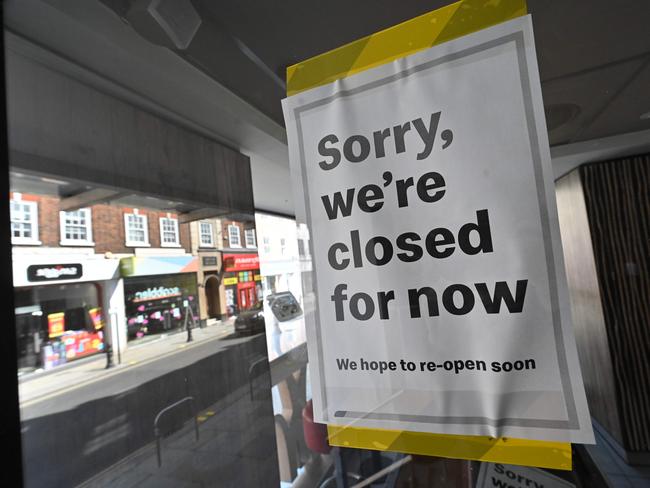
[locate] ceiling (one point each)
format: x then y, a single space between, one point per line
594 56
227 84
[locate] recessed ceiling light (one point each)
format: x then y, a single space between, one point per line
645 116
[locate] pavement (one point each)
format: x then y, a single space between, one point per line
44 385
235 448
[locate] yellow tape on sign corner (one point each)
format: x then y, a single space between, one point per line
447 23
524 452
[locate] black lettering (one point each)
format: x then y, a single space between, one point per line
387 251
356 249
402 195
370 193
433 244
331 256
332 152
336 205
414 301
502 292
369 306
379 137
428 182
348 148
399 131
413 252
428 136
448 299
485 237
342 363
383 298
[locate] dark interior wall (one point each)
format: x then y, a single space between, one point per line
63 128
617 197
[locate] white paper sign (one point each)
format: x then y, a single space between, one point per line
507 476
441 299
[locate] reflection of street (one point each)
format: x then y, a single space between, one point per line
97 420
233 434
39 387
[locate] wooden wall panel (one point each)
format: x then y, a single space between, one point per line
65 129
586 308
617 197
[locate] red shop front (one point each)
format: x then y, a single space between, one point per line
242 281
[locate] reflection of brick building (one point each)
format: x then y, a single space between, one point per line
71 270
104 227
224 290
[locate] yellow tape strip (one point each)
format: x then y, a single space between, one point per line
450 22
556 455
447 23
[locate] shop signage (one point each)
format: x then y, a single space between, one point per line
230 281
51 272
156 293
209 260
240 262
441 297
494 475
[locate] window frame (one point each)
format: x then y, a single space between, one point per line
230 236
129 243
247 233
177 242
33 222
89 229
202 244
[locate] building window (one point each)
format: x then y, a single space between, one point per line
267 244
233 236
76 228
206 235
169 232
249 234
137 233
24 222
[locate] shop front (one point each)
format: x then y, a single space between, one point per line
160 295
242 282
61 309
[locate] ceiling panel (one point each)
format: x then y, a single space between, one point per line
589 92
624 113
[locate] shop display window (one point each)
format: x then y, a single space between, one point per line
159 304
57 324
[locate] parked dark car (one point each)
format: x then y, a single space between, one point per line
250 321
284 306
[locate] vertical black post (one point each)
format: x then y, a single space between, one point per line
340 468
109 355
12 471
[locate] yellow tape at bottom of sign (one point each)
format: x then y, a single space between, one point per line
447 23
542 454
